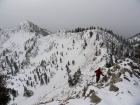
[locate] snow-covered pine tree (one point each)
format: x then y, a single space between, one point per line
73 62
90 33
16 67
41 81
46 78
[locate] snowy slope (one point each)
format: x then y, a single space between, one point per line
135 38
42 61
23 27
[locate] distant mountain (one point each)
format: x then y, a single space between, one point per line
26 26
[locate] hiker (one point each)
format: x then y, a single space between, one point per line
98 73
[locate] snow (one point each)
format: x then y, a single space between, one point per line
58 89
135 38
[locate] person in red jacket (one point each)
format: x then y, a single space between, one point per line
98 73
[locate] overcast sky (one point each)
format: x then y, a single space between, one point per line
121 16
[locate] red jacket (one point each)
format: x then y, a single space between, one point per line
98 73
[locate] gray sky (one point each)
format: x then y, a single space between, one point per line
121 16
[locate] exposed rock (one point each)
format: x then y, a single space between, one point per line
120 62
113 88
107 84
114 69
109 72
28 93
105 79
133 66
119 80
84 91
113 74
94 98
90 92
94 58
123 70
113 78
77 96
139 65
118 75
116 66
99 85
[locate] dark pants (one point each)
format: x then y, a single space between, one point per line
97 79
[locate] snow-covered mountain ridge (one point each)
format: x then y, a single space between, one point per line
44 64
23 27
135 38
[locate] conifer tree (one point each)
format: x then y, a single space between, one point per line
7 60
68 63
97 36
73 41
96 53
46 78
27 82
90 33
4 92
41 81
31 84
14 92
60 60
35 78
16 67
73 62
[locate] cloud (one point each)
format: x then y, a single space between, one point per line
120 16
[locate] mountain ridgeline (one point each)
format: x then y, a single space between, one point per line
55 68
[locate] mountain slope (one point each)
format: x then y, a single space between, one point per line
44 64
135 38
135 43
25 27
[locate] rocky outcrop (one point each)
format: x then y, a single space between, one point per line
116 66
28 93
118 80
123 70
113 88
109 72
94 98
133 66
84 90
90 92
